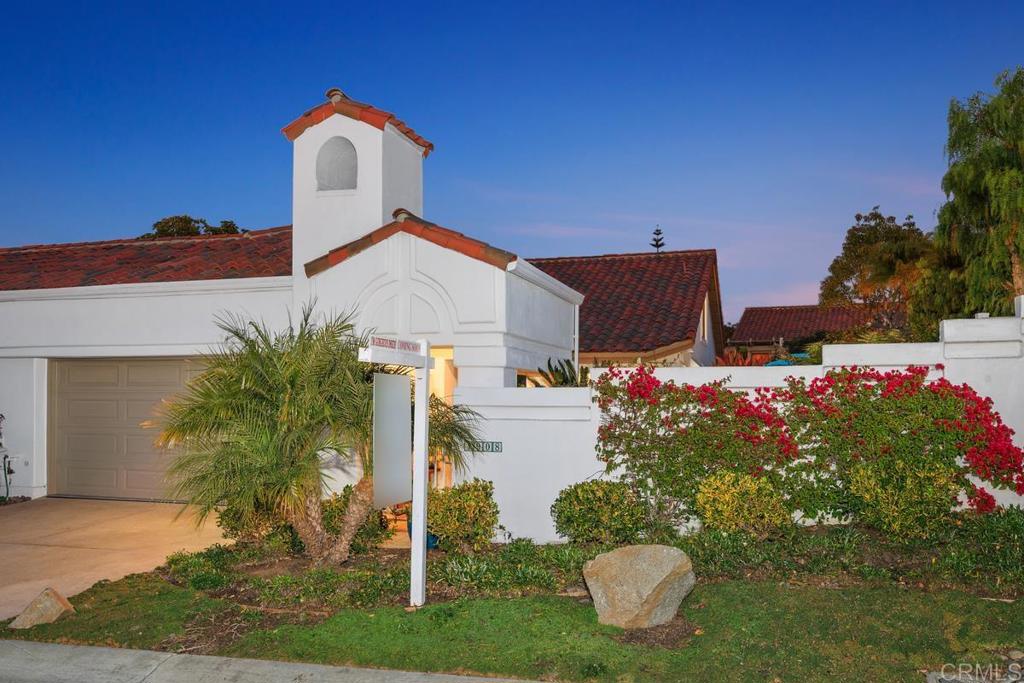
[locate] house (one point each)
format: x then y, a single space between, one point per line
765 329
653 307
93 336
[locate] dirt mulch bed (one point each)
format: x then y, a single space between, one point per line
378 558
14 499
674 635
212 632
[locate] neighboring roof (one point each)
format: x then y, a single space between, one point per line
340 103
765 324
260 253
414 225
640 303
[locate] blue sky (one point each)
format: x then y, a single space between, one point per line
559 129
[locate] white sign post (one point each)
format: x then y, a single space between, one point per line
414 355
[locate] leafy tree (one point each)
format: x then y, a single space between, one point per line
657 241
982 221
877 267
939 294
256 426
184 226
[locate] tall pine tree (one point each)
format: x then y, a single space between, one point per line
656 240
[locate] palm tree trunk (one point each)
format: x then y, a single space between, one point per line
308 524
359 506
1016 269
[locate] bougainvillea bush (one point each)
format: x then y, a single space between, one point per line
896 451
890 450
664 439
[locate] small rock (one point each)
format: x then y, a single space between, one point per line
45 609
639 586
1015 655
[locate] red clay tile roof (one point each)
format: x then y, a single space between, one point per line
414 225
765 324
639 303
342 104
260 253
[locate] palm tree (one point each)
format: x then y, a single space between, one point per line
563 373
255 427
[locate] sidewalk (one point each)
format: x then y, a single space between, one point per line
27 662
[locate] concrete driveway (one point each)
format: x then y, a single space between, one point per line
70 544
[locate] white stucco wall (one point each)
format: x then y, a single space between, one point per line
402 181
703 352
153 319
548 438
23 404
390 176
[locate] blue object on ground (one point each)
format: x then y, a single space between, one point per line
431 538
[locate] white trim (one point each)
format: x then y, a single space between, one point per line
535 275
138 289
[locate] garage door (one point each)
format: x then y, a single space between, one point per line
98 446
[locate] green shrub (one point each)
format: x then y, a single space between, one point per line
205 570
599 511
374 531
903 500
463 517
740 502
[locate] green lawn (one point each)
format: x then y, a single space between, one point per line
748 631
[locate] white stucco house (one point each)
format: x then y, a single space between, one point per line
93 335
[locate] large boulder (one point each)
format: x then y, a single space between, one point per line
45 609
639 586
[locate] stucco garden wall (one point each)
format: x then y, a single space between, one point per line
548 435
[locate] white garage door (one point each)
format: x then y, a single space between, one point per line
98 446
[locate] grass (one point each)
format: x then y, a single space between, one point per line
139 611
748 630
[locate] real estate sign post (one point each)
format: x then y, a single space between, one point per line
416 355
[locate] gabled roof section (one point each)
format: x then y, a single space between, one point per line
414 225
260 253
340 103
766 324
645 303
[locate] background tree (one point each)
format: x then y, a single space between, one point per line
184 226
982 221
877 267
657 241
939 294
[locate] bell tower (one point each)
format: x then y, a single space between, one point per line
352 166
